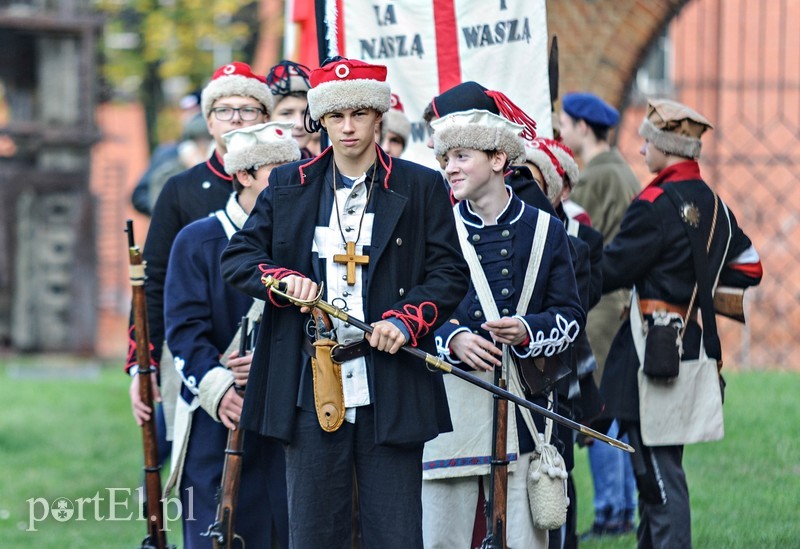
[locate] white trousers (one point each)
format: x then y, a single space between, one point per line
448 511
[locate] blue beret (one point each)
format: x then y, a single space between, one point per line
589 107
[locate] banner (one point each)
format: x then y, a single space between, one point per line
431 45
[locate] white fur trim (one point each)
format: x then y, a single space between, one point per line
262 154
337 95
671 142
397 122
540 159
481 138
213 387
226 86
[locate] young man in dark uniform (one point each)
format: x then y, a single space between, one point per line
652 252
353 202
234 98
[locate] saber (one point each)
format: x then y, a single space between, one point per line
436 362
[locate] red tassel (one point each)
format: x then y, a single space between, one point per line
513 113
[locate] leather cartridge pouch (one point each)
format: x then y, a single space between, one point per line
327 376
539 375
663 348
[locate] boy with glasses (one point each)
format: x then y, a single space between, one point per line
233 99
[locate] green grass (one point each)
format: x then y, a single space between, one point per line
75 438
744 489
71 438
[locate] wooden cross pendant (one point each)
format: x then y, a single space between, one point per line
352 260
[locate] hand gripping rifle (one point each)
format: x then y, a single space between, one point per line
156 535
278 288
222 532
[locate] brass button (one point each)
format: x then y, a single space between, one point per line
504 291
402 292
478 314
476 237
504 252
505 311
505 232
504 272
399 241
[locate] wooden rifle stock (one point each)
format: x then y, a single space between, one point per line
497 504
156 535
222 532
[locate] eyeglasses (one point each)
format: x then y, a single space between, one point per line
248 114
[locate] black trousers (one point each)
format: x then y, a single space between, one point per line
665 520
320 468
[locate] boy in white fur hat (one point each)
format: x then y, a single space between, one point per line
201 316
477 146
378 232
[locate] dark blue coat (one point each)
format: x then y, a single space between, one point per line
504 250
201 316
414 259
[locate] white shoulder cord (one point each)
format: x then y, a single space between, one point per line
490 307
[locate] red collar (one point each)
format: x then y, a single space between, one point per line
682 171
217 165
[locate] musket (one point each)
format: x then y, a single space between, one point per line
156 535
222 532
497 502
278 288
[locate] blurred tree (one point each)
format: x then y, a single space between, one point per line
149 42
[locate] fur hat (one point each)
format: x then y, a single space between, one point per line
589 107
395 120
480 130
348 84
288 77
260 145
674 128
236 79
539 153
471 95
566 160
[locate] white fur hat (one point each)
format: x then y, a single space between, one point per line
395 120
236 79
480 130
260 145
540 155
348 84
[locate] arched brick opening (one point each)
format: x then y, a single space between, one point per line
602 44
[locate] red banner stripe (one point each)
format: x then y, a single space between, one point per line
340 28
447 57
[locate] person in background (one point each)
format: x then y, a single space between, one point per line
395 129
234 98
652 252
201 312
289 84
143 198
605 189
